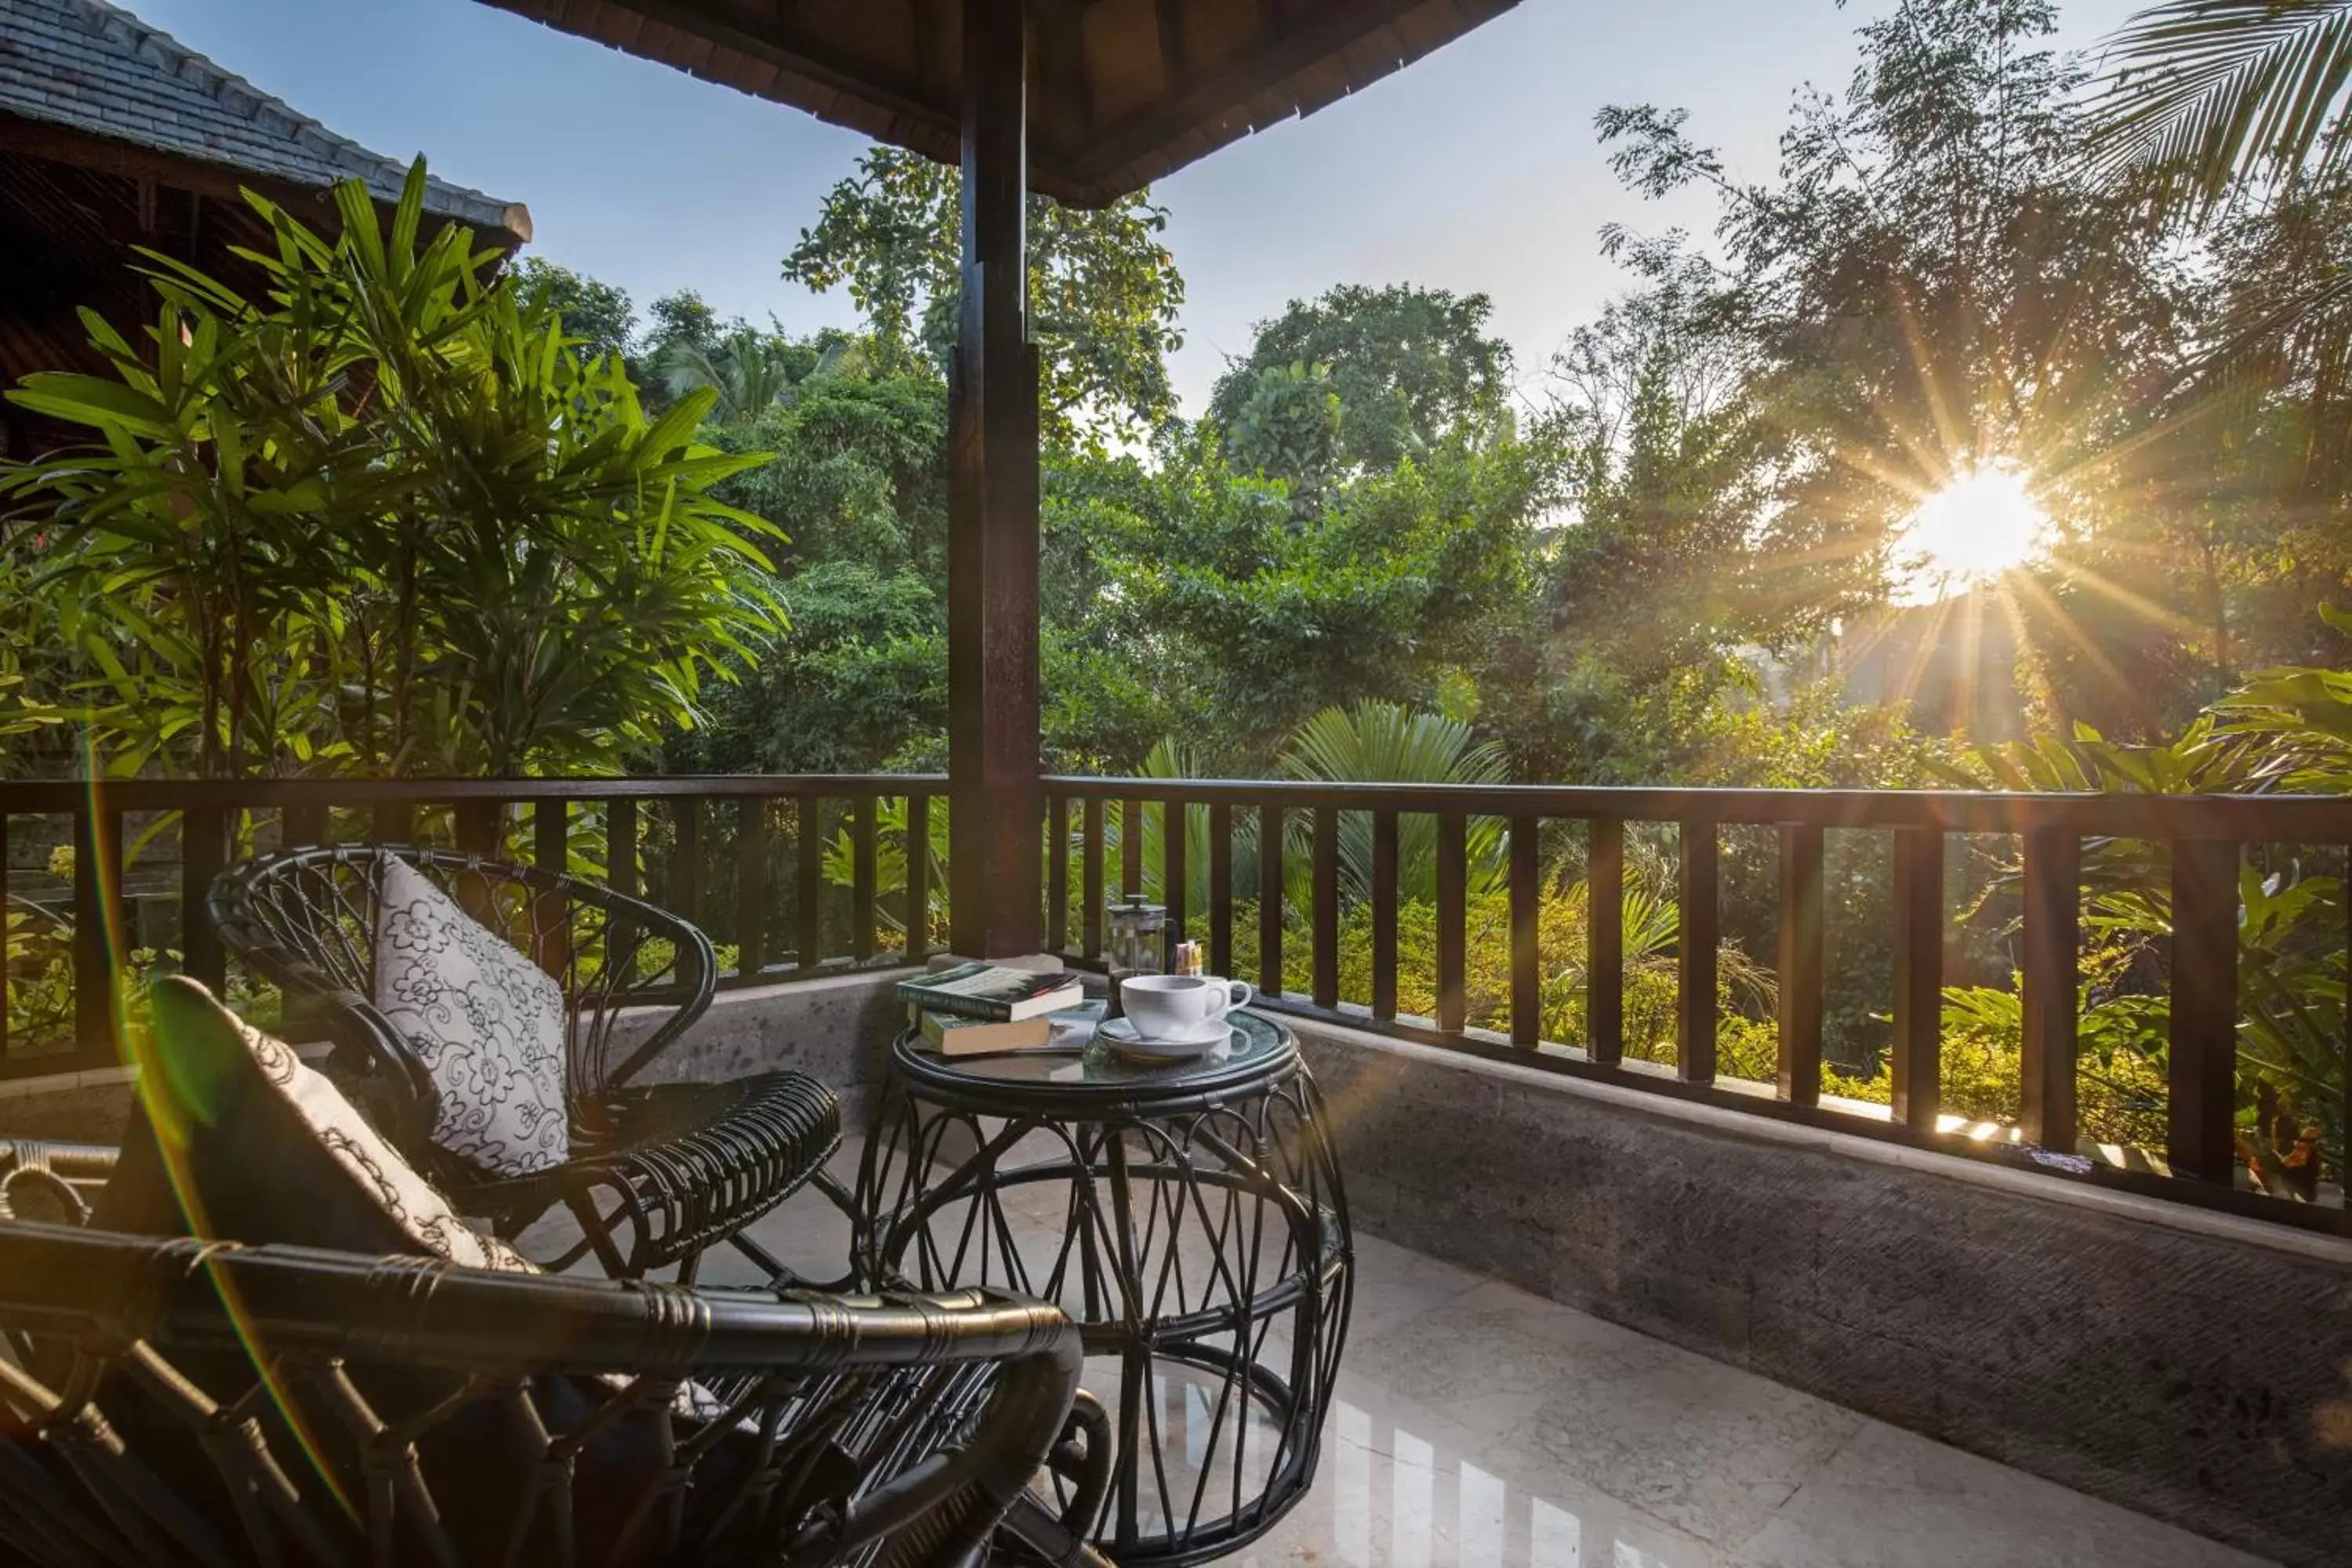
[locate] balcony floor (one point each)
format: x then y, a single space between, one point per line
1481 1427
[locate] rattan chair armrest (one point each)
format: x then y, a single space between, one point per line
695 966
72 1162
57 1172
427 1311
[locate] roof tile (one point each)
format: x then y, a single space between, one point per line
98 68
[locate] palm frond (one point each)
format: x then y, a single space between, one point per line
2204 93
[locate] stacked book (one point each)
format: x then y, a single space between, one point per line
984 1009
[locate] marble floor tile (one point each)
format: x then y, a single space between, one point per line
1395 1286
1891 1499
1707 1449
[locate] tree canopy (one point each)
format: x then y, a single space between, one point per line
1104 291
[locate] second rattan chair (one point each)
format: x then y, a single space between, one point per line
177 1403
659 1173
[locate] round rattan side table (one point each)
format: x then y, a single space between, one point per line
1189 1215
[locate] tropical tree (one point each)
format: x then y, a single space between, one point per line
1408 365
1669 471
595 314
1931 291
1103 289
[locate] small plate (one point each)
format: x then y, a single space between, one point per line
1123 1033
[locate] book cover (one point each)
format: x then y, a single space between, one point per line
952 1036
991 991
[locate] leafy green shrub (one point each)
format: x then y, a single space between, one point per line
383 520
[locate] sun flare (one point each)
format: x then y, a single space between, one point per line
1984 523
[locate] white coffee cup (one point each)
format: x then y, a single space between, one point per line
1164 1006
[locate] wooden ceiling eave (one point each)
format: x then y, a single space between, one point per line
783 62
1123 92
1244 96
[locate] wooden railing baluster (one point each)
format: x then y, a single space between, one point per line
394 822
686 872
2049 978
1269 901
808 884
1057 873
620 845
1175 874
1452 919
1130 847
861 876
99 936
475 822
1702 918
304 825
1221 888
750 885
1916 1063
1091 832
1527 935
1384 916
203 853
1604 928
550 851
1801 964
550 836
1325 913
2203 1057
918 877
621 936
6 956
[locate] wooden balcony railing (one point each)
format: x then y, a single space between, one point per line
743 855
2206 837
789 874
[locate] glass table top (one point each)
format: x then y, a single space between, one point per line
1258 1049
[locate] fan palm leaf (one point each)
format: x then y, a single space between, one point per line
746 370
1382 743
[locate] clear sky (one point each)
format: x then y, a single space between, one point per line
1475 169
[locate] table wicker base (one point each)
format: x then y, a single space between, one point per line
1199 1237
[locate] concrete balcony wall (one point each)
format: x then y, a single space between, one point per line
2191 1366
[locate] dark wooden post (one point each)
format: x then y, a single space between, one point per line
1801 964
995 893
2051 976
2203 1059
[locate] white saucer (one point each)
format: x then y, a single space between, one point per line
1123 1033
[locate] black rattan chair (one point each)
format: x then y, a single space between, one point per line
659 1173
169 1402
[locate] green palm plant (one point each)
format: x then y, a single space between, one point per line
749 372
2204 97
2210 92
2285 729
1371 742
382 517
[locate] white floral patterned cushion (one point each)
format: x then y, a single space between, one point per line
245 1127
263 1149
487 1023
414 1204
